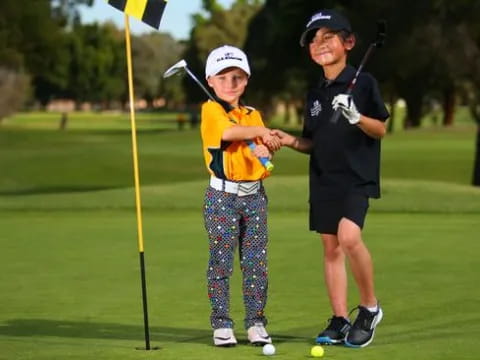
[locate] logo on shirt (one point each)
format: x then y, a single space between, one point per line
316 108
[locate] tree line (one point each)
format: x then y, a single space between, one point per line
431 54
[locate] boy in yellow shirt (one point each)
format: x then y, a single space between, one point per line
235 207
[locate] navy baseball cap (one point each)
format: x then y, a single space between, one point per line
325 18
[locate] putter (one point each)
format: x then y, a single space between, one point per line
378 43
182 66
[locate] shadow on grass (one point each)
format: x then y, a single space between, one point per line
96 330
114 331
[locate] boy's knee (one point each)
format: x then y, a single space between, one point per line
333 252
349 242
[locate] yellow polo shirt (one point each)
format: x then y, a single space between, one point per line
230 160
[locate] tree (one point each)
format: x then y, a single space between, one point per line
32 42
97 64
280 67
66 11
219 27
152 54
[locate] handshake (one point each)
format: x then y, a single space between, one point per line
273 140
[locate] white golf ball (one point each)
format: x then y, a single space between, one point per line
268 349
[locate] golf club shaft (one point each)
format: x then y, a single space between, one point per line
380 39
351 85
264 160
205 90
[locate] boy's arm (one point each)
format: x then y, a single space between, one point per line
372 127
300 144
240 133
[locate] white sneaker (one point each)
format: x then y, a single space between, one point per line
224 337
257 335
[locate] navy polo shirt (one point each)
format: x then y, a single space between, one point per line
344 159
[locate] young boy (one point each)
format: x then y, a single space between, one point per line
235 209
344 172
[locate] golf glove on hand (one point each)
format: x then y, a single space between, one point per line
346 105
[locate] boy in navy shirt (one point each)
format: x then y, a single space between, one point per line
344 172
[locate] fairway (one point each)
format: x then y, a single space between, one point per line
70 282
70 287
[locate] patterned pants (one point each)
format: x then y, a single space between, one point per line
233 221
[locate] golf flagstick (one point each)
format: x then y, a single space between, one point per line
150 12
138 202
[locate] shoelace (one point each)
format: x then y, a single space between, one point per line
260 330
337 323
364 318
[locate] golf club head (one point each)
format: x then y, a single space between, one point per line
381 33
174 69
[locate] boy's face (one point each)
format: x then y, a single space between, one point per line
229 84
328 48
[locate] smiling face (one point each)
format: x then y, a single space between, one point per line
328 48
229 84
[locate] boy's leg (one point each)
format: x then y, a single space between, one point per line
335 274
253 257
350 239
336 282
369 313
221 223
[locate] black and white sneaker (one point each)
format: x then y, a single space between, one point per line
335 332
224 337
363 329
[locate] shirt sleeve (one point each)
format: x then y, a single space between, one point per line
214 122
376 107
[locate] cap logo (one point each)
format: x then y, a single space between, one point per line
229 56
318 16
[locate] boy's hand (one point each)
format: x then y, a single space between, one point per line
271 141
346 105
285 138
262 151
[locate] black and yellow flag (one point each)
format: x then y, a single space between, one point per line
148 11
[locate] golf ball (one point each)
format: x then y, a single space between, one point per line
317 351
268 349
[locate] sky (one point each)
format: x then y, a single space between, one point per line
176 19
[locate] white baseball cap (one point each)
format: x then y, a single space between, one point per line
224 57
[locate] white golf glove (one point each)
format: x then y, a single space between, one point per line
346 105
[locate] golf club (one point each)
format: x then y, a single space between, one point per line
378 43
182 65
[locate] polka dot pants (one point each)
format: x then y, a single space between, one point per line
235 221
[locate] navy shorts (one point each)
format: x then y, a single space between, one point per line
326 214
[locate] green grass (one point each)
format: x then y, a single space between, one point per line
70 282
71 287
108 120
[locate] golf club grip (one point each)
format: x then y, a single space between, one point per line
264 160
335 116
338 112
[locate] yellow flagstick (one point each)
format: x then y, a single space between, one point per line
138 202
